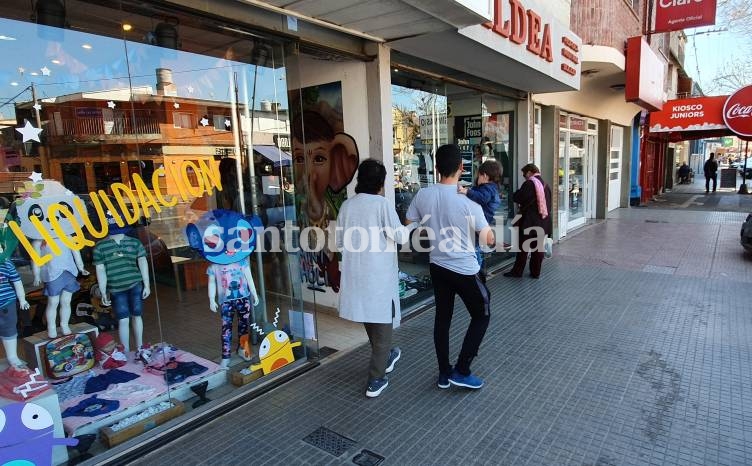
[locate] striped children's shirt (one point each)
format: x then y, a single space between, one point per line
120 262
8 275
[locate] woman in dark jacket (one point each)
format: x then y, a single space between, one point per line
534 199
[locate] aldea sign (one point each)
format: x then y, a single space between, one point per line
527 32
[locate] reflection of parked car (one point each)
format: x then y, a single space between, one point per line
745 166
746 235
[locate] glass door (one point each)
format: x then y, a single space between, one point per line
563 184
577 187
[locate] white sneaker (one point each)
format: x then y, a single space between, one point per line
394 356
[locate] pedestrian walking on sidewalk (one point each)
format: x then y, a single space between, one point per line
369 291
454 267
711 172
534 199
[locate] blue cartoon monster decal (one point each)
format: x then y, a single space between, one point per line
226 239
27 435
224 236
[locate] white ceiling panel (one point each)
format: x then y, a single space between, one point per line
385 19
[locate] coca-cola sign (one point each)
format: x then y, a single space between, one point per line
737 112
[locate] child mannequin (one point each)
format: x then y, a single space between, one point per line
59 277
231 285
226 239
123 276
11 289
59 274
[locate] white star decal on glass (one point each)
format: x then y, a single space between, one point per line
227 122
35 177
37 107
204 121
111 104
45 71
29 132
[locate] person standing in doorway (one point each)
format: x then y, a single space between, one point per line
711 172
534 199
454 267
368 230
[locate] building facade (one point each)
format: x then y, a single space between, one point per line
181 116
591 132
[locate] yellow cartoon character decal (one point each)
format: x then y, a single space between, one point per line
275 352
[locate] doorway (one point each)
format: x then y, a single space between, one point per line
578 145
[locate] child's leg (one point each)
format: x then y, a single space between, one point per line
227 317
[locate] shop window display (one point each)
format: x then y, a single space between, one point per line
128 146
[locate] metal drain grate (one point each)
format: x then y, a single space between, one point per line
367 458
329 441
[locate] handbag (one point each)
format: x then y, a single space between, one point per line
548 246
69 355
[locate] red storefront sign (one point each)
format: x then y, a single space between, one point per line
646 73
674 15
737 112
694 114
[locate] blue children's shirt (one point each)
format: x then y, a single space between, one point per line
487 195
8 275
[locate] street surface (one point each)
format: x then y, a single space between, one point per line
633 348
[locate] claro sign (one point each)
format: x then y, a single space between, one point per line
737 112
674 15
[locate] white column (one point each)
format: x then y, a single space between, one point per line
379 111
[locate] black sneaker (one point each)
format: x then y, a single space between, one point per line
376 386
443 381
394 356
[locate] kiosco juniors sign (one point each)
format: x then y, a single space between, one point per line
693 114
60 218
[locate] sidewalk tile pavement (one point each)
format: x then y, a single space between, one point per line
632 348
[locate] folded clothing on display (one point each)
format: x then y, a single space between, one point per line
91 407
112 376
143 384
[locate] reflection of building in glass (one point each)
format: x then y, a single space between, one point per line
97 138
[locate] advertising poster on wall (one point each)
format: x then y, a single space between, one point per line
325 159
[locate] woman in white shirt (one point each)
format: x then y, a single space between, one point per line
368 231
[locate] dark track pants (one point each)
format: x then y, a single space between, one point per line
477 299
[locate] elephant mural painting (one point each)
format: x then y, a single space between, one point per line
325 160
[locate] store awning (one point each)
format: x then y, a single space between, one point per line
274 154
550 64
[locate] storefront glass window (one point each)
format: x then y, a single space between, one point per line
420 124
427 114
162 149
